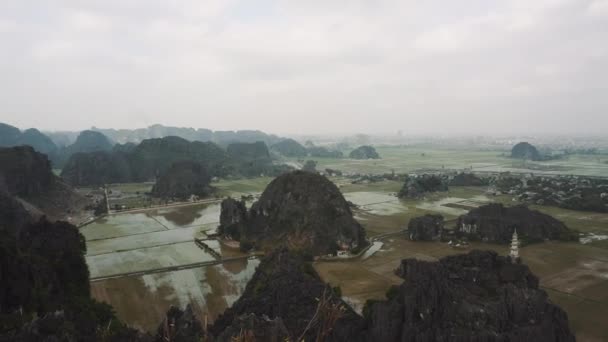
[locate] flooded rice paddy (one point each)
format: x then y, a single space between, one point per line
132 247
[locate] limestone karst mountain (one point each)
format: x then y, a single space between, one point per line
301 209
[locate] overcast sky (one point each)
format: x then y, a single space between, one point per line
306 66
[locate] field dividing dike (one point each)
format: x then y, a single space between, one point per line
138 248
121 236
169 206
582 298
396 200
167 269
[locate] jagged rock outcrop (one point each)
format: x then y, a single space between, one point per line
425 228
415 187
467 179
180 325
290 148
182 180
524 150
233 214
478 296
285 286
364 152
496 223
303 210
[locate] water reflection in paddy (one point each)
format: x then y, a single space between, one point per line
143 301
187 216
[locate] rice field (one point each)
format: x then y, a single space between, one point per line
410 159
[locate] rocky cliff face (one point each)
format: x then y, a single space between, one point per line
425 228
42 264
27 174
182 180
478 296
302 210
415 187
285 286
364 152
524 150
496 223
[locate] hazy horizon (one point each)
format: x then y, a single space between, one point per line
307 67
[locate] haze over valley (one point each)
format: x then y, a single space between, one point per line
287 170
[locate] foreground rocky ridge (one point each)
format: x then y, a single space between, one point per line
300 209
285 286
478 296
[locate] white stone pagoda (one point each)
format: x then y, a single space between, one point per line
514 247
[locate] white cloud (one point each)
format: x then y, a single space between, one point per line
230 64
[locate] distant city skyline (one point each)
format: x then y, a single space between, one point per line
307 67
